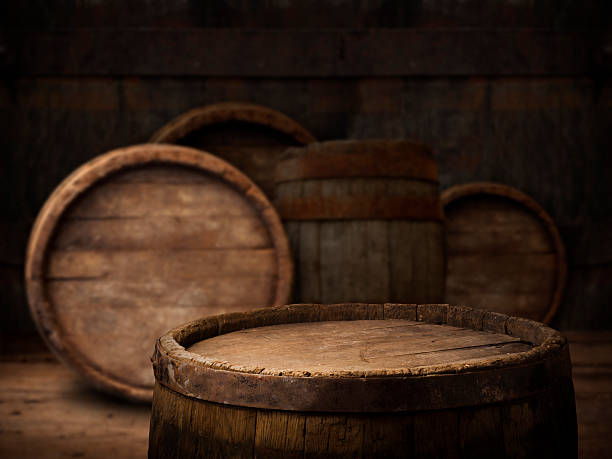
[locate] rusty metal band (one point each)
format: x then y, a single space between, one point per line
360 207
377 394
418 166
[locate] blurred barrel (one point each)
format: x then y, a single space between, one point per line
364 221
504 252
250 137
141 238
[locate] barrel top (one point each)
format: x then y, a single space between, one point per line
360 357
142 237
351 348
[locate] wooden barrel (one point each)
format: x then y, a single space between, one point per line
364 221
142 239
363 380
504 252
250 137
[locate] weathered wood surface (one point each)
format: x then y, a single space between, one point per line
142 239
297 14
186 423
250 137
345 348
591 353
366 229
547 136
46 412
322 52
504 252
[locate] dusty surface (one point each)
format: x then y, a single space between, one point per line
336 347
46 412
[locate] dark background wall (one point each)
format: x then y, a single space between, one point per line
517 92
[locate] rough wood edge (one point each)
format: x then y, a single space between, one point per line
98 169
199 377
230 111
457 192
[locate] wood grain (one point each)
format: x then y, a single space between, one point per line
45 409
380 52
45 412
491 128
295 14
358 233
143 238
295 373
336 348
504 251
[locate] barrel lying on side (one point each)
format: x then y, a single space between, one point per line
364 221
504 252
363 380
143 238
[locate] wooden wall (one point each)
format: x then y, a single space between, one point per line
517 92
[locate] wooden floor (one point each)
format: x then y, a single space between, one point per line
45 412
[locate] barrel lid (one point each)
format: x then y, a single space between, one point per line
142 238
360 357
504 251
249 136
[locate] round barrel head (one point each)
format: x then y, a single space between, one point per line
504 252
140 240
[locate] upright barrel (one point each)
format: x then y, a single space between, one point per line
364 221
363 380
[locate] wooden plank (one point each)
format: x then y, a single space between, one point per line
481 432
74 293
592 348
508 272
414 261
219 440
16 316
331 262
279 434
354 347
586 299
362 262
506 302
333 436
296 14
324 52
129 200
592 374
436 434
160 265
492 224
45 411
492 240
388 435
162 233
